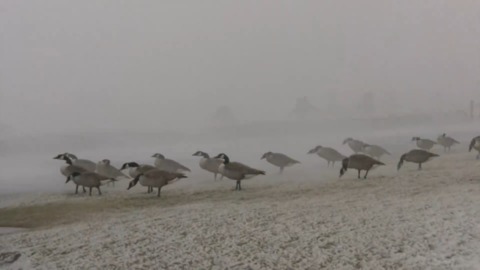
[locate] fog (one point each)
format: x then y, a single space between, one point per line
125 79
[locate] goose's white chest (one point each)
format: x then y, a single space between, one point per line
203 163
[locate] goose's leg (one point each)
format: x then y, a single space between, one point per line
159 189
419 166
365 177
90 193
359 174
76 189
237 187
99 191
84 190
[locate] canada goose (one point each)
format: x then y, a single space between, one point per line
375 151
69 169
425 144
418 156
134 169
475 144
446 141
84 163
329 154
209 164
236 170
155 178
105 168
355 145
280 160
359 162
87 179
168 165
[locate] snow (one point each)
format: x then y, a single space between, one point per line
410 219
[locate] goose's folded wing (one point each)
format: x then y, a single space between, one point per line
287 158
173 163
242 168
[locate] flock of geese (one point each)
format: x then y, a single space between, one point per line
88 174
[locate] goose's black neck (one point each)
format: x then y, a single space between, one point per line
68 160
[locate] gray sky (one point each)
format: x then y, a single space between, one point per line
108 63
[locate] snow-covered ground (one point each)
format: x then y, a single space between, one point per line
409 219
306 218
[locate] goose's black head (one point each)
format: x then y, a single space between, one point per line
158 155
71 176
415 139
60 156
129 165
223 157
105 161
314 150
267 154
67 157
71 156
201 154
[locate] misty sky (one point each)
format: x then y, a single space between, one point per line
109 63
